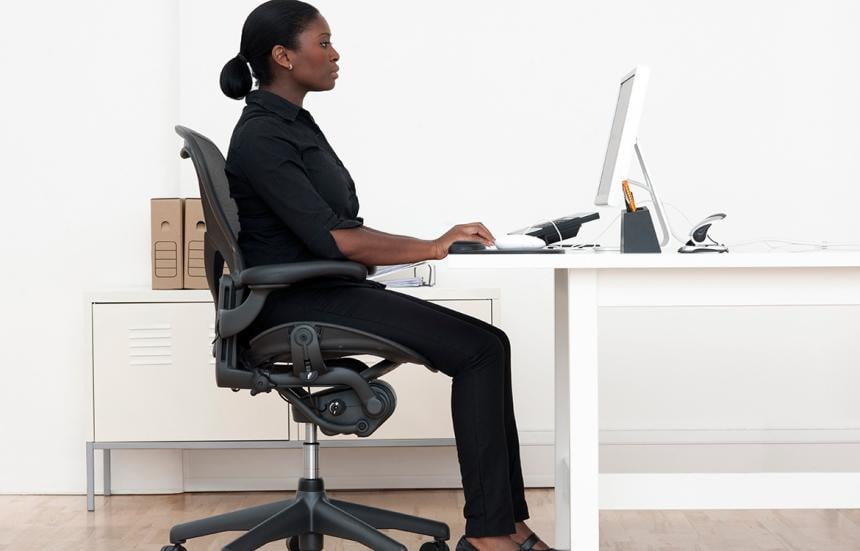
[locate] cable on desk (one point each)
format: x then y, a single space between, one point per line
780 244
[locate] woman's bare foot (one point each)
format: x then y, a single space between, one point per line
494 543
523 532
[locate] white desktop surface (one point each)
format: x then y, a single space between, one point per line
586 281
586 259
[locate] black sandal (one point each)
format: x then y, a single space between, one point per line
530 542
464 545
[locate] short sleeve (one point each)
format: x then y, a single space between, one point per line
274 169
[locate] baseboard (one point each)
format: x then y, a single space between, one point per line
730 491
693 437
691 462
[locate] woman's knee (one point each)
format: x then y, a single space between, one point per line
503 338
485 350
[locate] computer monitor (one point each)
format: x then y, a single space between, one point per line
623 145
622 137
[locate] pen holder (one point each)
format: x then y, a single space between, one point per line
637 232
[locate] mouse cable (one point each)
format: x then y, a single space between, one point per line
611 223
671 226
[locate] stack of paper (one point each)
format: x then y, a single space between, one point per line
416 274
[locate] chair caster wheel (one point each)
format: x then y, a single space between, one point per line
434 546
177 547
293 543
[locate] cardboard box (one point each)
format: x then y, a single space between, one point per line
195 229
167 243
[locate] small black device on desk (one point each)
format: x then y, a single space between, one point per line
560 229
459 247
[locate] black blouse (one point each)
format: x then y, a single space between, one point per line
290 187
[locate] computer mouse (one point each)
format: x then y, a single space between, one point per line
519 241
466 247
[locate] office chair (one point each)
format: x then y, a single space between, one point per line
291 359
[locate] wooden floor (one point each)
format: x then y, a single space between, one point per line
120 523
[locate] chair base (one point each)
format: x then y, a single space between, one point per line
308 517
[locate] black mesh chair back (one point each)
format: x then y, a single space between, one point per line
221 243
238 301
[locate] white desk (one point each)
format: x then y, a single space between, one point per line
586 281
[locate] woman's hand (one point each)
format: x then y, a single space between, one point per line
475 231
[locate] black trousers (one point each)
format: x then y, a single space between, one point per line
476 355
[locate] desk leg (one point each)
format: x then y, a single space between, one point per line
91 500
576 413
106 463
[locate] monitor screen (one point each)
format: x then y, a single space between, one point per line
622 136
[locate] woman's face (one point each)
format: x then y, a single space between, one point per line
315 62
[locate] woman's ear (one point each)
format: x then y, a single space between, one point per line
281 55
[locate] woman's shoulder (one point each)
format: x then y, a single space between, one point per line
254 123
254 130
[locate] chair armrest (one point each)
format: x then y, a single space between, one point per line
286 274
264 279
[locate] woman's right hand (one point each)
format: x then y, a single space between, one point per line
474 231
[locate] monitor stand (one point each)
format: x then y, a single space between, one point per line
649 187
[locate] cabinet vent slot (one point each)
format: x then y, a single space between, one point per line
150 345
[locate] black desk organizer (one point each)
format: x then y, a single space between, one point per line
637 232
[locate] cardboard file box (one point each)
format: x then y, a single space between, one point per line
167 243
195 229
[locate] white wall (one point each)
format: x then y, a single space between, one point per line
88 98
445 112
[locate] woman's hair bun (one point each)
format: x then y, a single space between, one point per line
236 78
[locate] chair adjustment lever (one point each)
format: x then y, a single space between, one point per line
305 353
260 382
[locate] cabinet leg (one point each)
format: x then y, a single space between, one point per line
91 501
106 467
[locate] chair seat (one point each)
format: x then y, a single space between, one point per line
336 341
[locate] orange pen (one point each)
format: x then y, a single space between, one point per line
628 195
